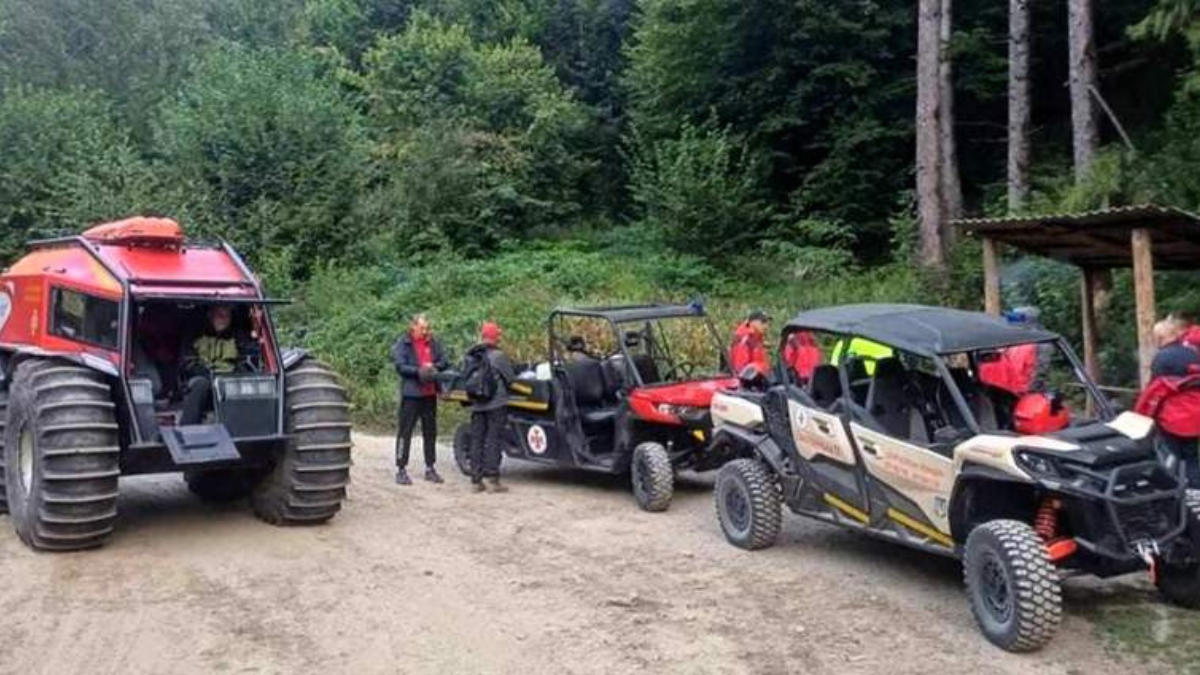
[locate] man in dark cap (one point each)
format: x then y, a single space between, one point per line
748 348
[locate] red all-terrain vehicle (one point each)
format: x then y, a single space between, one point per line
624 391
95 335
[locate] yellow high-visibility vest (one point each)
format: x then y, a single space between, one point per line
868 350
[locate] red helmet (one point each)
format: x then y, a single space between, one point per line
1038 413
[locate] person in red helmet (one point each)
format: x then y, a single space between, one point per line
748 349
487 374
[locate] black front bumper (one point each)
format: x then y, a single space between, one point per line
146 458
1118 514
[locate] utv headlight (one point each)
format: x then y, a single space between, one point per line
684 412
1037 464
249 387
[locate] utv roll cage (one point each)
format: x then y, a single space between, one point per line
618 316
934 333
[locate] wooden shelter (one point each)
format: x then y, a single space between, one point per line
1144 238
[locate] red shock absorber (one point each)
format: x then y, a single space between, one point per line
1046 521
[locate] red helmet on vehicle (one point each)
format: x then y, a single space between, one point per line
1038 413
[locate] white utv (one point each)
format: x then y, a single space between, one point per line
910 431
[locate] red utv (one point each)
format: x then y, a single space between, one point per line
624 390
93 335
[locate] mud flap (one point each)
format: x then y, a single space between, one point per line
200 444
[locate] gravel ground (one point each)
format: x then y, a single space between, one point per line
562 575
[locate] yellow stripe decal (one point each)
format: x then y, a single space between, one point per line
521 388
846 508
921 528
529 405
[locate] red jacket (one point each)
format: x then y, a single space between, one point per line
1014 371
1174 403
748 349
802 354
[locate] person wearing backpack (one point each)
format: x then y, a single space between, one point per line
418 357
487 373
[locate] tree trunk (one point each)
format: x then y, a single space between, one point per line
1018 105
1085 135
929 153
951 182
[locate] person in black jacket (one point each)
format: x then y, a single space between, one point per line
488 417
418 357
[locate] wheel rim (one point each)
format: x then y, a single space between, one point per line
737 507
25 460
996 589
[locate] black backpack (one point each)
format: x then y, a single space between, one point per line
479 378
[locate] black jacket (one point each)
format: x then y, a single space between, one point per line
404 356
503 369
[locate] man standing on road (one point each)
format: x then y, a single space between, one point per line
418 357
1172 397
487 374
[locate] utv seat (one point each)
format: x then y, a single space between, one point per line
587 381
646 367
859 378
982 408
825 386
890 402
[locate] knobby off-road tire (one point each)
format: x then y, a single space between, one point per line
308 481
462 448
652 476
220 486
1013 587
748 504
1180 584
61 452
3 422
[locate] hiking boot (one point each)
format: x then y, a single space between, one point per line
402 477
494 485
432 476
477 487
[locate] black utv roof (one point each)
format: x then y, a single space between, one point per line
922 330
629 313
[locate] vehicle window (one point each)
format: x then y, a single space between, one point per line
84 318
682 348
584 335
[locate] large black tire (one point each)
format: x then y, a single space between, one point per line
462 448
3 422
652 476
748 504
62 452
1013 587
308 481
1180 584
220 486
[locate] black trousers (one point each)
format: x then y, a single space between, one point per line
412 410
197 400
487 434
1188 452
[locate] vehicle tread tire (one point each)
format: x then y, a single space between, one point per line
653 477
71 501
3 422
308 482
1180 585
763 499
1034 583
462 448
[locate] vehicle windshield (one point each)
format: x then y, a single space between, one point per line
663 350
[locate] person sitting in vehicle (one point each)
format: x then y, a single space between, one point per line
748 350
577 348
156 352
1019 369
802 355
215 352
867 351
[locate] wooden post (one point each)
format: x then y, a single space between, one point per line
991 278
1089 285
1143 290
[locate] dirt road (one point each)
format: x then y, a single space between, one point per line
562 575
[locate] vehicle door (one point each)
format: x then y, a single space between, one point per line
909 476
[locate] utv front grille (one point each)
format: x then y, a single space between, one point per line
1139 503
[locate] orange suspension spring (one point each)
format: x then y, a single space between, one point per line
1046 521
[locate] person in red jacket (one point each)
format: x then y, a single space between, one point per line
748 348
802 355
1173 396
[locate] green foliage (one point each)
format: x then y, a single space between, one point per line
271 152
480 141
702 190
64 162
